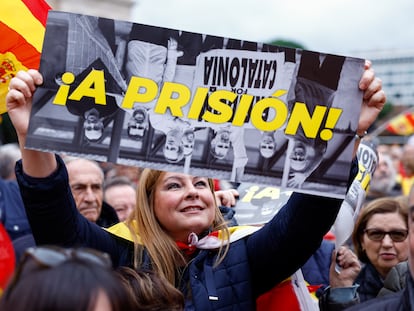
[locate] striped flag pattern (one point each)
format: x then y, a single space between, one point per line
22 28
402 124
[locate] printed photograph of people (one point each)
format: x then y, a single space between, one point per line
318 80
175 100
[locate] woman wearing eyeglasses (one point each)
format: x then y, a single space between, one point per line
380 242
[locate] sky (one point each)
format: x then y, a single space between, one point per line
332 26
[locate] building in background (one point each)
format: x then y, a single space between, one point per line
396 69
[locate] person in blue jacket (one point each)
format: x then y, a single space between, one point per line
177 230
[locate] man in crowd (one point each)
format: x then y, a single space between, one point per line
120 193
384 179
86 180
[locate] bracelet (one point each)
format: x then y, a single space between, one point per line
357 136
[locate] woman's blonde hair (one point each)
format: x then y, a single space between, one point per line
166 257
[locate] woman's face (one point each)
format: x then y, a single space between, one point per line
386 253
184 204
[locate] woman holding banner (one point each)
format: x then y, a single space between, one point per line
178 230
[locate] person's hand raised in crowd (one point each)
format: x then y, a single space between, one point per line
19 104
226 197
19 98
373 99
349 268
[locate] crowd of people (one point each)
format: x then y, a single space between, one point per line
164 241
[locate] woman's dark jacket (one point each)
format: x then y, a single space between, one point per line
370 282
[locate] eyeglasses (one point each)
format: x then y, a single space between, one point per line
53 256
378 235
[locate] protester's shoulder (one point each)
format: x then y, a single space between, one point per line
389 302
4 183
395 279
22 243
108 216
10 188
327 247
122 231
401 268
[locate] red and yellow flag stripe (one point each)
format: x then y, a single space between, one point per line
22 28
402 124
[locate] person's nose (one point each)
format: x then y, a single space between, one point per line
387 241
89 195
382 169
192 191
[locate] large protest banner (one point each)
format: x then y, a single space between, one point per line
200 104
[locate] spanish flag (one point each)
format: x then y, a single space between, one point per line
402 124
22 28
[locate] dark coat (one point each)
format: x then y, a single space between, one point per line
400 301
370 282
395 280
108 216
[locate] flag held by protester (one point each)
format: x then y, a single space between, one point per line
22 25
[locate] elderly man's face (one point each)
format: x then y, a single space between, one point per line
86 180
384 177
